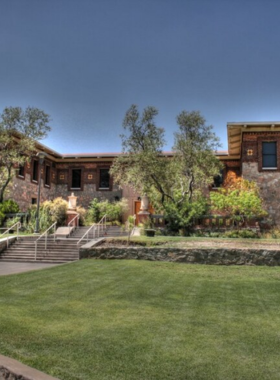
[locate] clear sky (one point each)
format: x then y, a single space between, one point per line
84 62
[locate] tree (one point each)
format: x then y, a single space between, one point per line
241 201
141 165
194 148
19 131
174 183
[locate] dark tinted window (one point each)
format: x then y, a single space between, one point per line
35 171
47 175
269 154
104 182
21 171
76 178
218 180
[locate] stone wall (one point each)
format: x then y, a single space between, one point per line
198 256
269 184
3 241
23 190
89 192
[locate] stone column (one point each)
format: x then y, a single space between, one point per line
144 214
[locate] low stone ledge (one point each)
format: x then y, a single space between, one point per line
11 369
218 256
3 242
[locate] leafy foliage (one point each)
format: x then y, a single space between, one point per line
240 200
6 207
82 212
18 131
194 146
113 210
9 206
180 218
172 181
50 212
245 234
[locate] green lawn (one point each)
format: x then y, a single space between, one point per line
140 320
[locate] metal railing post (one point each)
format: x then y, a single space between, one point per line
46 236
18 225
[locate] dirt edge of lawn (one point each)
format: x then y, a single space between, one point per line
181 253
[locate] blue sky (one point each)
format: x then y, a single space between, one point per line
85 62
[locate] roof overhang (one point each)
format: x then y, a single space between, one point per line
236 130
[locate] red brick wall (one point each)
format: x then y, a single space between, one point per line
22 190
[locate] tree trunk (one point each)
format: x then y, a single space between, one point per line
4 186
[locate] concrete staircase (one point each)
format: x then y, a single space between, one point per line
59 251
111 231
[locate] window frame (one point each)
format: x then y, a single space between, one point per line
265 155
36 181
268 139
47 175
21 176
109 188
70 179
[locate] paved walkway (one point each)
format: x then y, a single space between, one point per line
10 267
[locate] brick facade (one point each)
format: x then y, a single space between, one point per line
252 169
245 158
24 189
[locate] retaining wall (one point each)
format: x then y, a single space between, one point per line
195 256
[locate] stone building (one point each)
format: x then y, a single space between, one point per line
253 153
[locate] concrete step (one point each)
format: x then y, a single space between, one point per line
58 251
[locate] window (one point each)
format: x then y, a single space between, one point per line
21 172
33 201
76 178
35 171
269 155
104 179
47 175
218 180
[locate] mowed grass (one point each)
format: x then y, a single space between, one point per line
144 320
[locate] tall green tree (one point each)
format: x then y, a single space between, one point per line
174 182
141 165
19 131
194 148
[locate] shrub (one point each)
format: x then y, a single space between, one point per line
82 212
183 217
250 234
113 210
11 221
9 206
2 217
57 210
50 212
272 234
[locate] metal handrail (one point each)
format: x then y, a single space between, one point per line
100 225
46 235
18 224
72 220
87 233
